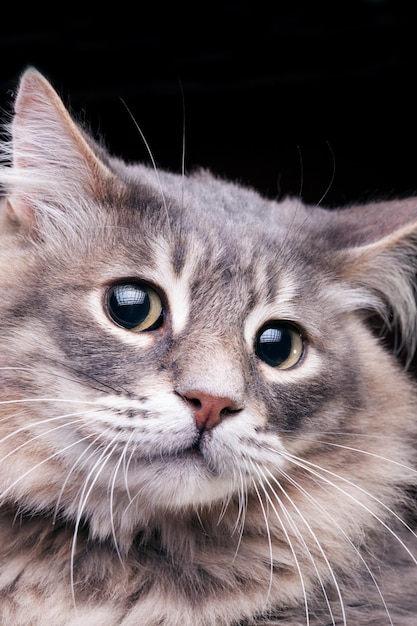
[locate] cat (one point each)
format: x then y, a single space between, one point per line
207 411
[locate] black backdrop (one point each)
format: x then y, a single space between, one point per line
306 98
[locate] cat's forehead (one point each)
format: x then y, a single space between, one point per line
213 230
205 209
205 232
216 248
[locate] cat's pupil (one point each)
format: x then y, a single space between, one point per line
135 306
280 345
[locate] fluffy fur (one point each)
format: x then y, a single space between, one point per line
170 475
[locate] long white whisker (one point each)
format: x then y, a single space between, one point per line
39 435
23 401
132 500
34 400
302 540
242 505
367 452
46 460
224 505
342 433
111 498
223 509
103 387
161 189
75 465
289 542
183 144
126 464
85 494
315 471
268 532
326 191
337 525
241 515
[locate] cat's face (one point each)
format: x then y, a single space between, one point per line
170 343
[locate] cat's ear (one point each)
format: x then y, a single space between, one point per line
52 160
378 248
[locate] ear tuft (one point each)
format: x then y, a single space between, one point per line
53 165
380 256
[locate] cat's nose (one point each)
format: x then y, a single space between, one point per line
210 410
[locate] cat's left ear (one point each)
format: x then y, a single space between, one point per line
377 250
52 160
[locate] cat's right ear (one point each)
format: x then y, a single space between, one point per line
53 163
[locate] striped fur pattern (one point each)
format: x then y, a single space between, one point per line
177 474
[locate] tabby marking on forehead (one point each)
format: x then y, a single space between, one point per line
178 296
174 285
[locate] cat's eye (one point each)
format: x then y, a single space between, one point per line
280 345
135 306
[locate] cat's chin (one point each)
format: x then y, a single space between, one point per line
188 479
178 485
179 489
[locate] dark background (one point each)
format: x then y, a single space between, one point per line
307 98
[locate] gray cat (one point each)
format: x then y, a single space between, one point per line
203 418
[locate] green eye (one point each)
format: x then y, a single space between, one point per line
280 345
135 306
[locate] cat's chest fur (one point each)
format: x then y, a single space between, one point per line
204 583
205 416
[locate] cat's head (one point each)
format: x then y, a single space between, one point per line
170 343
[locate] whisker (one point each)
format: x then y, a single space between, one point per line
111 498
133 499
39 435
40 463
149 151
317 504
75 465
84 495
304 543
126 465
224 507
341 433
312 468
368 453
104 387
329 186
301 186
46 399
287 537
226 502
183 144
200 521
241 515
268 532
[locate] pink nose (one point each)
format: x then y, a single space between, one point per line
210 410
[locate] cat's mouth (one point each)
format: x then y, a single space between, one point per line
194 450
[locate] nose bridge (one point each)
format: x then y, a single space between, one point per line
213 364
